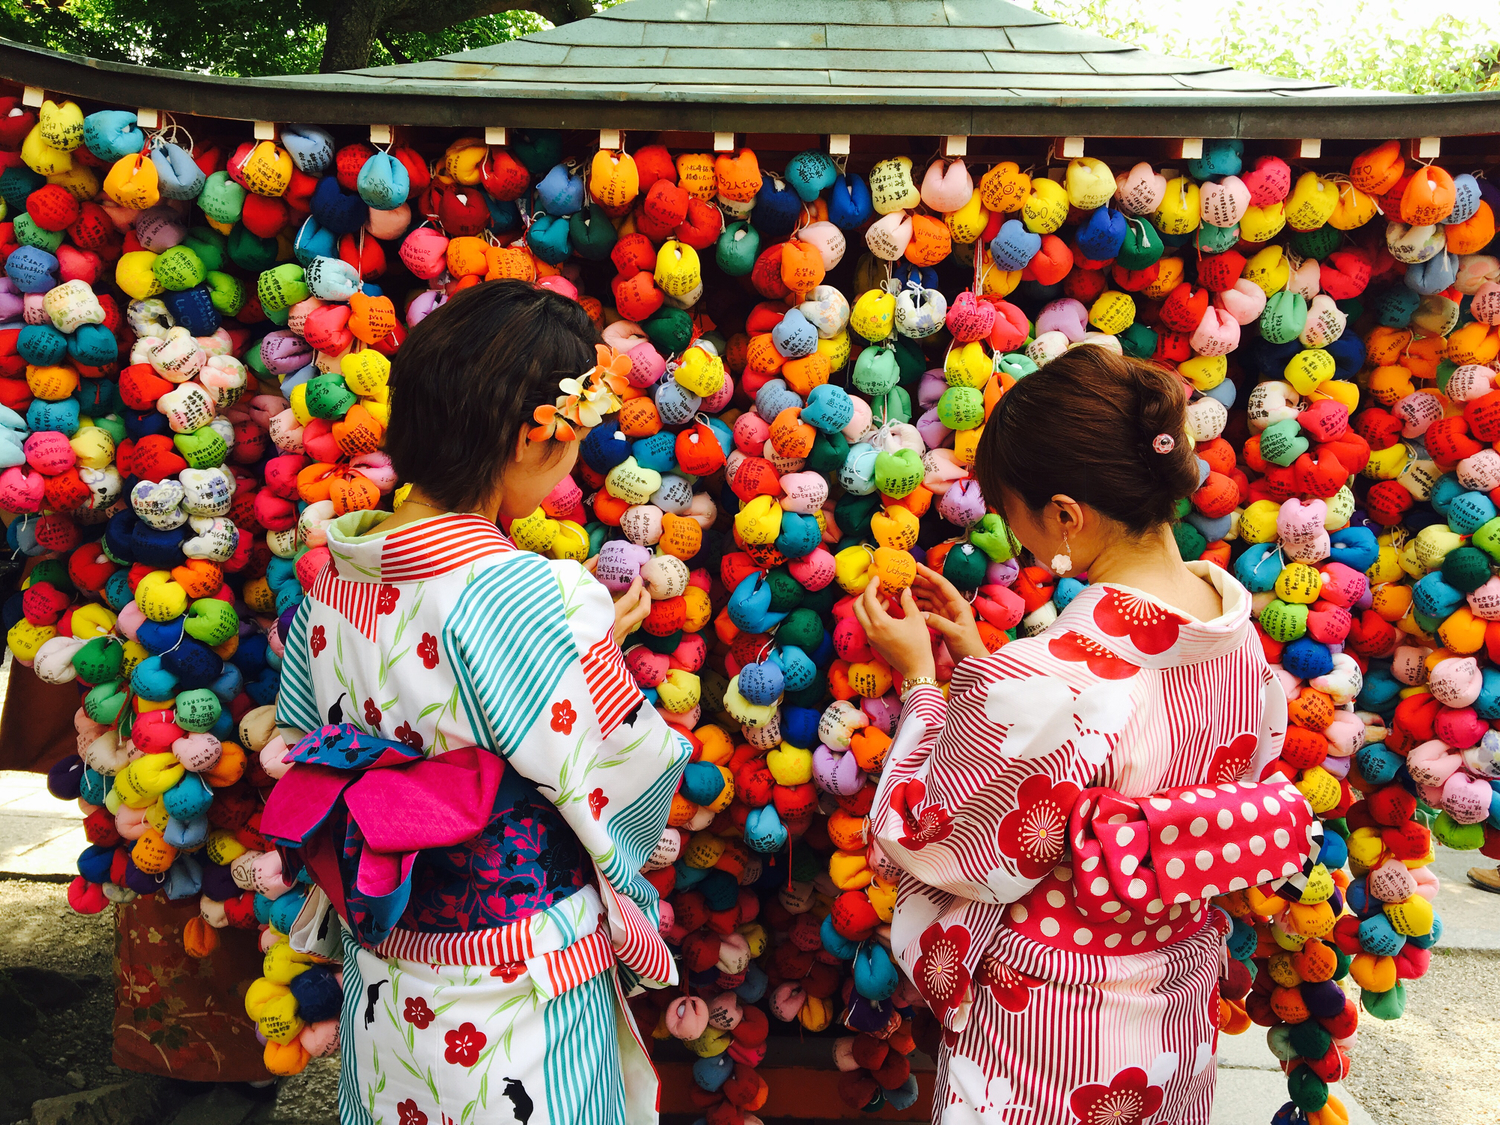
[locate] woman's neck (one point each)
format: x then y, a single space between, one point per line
419 506
1152 564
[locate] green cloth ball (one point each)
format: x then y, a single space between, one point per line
663 645
29 234
737 249
329 397
1282 621
1143 246
221 199
1385 1005
1317 243
211 247
876 371
178 268
1310 1039
100 660
965 566
282 287
1307 1090
1466 569
227 294
54 571
251 252
1191 543
1459 837
1138 341
786 592
1342 961
803 627
1216 240
828 454
910 360
671 330
853 514
961 408
197 710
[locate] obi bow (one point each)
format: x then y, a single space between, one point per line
1184 844
381 802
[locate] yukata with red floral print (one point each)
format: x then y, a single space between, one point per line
480 785
1046 822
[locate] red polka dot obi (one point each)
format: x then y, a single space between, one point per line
1140 869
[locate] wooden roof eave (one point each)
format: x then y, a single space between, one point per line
361 99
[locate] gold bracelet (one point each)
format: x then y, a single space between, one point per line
913 681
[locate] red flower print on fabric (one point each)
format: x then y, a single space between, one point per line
386 600
563 717
417 1013
404 733
1034 832
939 974
464 1045
1010 988
1128 1100
409 1113
427 649
1229 763
1078 649
1152 628
597 801
318 642
932 824
372 713
509 971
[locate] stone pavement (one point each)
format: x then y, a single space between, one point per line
40 836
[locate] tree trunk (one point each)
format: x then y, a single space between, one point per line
354 25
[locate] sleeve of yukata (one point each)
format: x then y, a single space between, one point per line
545 685
976 796
296 705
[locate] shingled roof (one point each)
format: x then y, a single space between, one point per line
894 67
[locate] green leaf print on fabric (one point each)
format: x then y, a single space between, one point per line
389 661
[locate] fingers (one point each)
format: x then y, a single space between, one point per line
947 589
943 626
591 563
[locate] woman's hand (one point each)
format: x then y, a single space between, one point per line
631 608
902 642
947 612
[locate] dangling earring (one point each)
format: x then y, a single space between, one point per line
1062 563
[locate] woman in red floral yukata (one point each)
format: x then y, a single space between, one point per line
1062 817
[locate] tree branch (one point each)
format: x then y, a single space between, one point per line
391 48
430 15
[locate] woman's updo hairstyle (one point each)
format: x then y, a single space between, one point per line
1086 426
466 381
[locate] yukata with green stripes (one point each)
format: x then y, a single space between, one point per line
442 635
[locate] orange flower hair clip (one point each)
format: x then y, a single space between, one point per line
585 400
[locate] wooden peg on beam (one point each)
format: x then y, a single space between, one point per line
33 97
609 139
265 131
147 118
494 134
955 145
380 134
838 144
1068 148
1426 148
1185 148
723 142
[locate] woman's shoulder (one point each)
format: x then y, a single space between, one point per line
1021 658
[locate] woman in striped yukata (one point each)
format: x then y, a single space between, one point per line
1060 819
482 780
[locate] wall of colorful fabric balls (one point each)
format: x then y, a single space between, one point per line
195 339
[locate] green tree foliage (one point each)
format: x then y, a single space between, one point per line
254 37
1446 56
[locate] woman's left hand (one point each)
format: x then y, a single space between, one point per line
631 608
902 642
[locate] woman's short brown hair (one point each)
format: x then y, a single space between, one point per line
465 383
1086 426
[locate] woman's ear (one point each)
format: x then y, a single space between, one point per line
522 441
1068 513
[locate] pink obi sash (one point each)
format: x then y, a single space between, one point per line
1142 868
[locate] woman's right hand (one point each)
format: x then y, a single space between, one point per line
948 613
